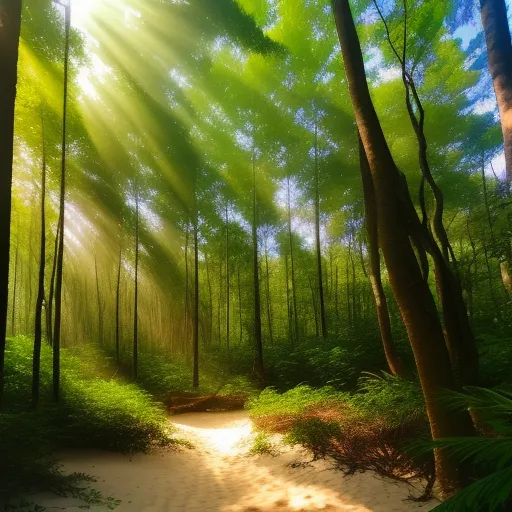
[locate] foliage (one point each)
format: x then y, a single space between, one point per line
93 413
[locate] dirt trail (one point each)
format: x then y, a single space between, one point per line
219 476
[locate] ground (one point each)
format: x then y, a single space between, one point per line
219 476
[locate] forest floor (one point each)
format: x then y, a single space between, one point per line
219 475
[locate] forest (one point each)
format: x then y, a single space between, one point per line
298 211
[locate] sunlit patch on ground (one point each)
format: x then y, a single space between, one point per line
218 475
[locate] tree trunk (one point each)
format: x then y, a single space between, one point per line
135 357
288 305
269 302
227 278
292 265
323 320
60 252
414 298
38 328
185 341
499 53
240 305
10 22
195 380
210 295
395 364
98 300
51 294
258 366
118 296
315 309
15 284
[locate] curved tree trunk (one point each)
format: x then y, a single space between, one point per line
413 296
395 364
10 23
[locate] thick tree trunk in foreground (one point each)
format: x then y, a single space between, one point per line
259 369
60 251
10 23
412 293
499 53
323 320
38 327
395 364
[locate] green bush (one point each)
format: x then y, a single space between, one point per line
92 413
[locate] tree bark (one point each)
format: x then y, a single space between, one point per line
195 379
269 301
98 300
10 23
60 251
412 293
135 356
258 366
292 265
15 284
323 320
227 277
38 327
499 52
395 364
118 297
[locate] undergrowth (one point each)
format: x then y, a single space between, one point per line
92 413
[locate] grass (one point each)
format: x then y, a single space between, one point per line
92 413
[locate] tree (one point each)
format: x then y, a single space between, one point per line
10 25
396 219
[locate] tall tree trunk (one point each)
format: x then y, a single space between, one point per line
499 53
269 301
210 295
118 297
315 308
38 327
195 379
51 294
323 320
240 305
292 264
288 305
98 300
15 284
185 341
135 357
10 22
259 368
395 364
60 252
395 217
227 277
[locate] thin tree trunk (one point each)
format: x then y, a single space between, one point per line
288 305
315 308
269 302
210 295
259 369
60 252
135 357
414 299
395 364
240 306
323 320
98 300
118 294
292 264
38 328
15 284
227 278
195 382
185 341
51 294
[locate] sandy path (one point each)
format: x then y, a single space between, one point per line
218 476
